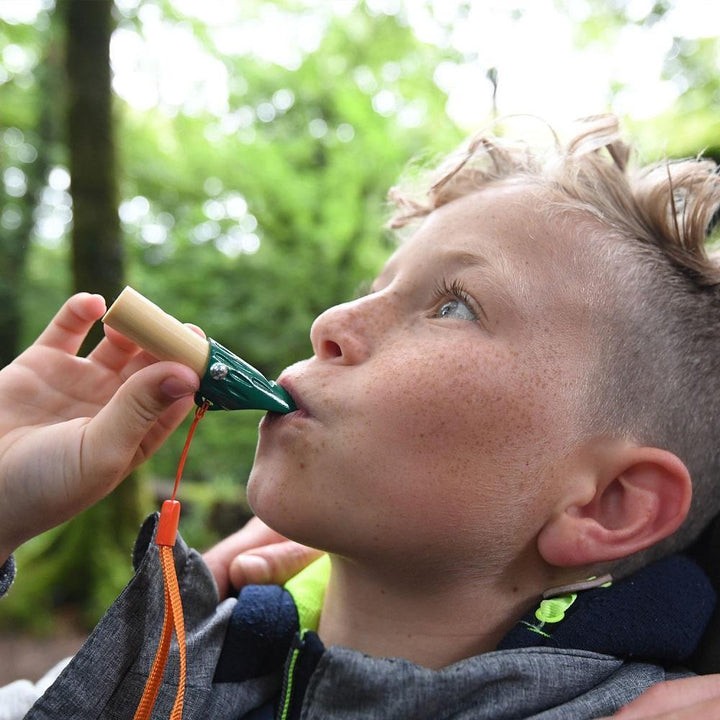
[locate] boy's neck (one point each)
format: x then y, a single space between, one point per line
433 625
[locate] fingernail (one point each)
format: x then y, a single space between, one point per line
255 569
176 388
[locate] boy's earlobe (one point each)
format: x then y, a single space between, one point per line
643 503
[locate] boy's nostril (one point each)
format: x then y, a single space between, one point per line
332 349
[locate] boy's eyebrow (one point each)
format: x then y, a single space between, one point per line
497 275
465 258
453 257
504 284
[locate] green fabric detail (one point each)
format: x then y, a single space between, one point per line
308 591
535 629
553 610
289 681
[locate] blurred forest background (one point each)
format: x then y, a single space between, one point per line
231 160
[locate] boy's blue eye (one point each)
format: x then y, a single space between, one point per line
456 309
454 302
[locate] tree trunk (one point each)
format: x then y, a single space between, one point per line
97 255
97 265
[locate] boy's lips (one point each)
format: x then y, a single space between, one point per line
288 385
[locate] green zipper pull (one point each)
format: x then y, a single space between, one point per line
289 678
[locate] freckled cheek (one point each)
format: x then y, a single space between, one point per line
453 411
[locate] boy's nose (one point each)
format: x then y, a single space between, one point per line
341 333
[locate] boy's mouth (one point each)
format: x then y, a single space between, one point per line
287 385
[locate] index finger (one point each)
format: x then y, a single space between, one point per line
67 330
114 351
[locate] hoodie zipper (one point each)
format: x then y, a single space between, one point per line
289 678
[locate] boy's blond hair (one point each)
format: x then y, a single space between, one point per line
656 376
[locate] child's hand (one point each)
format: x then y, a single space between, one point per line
686 699
72 428
257 555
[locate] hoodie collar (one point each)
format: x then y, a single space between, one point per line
657 614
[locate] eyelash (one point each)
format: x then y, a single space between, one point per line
456 291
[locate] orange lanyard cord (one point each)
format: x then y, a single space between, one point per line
199 414
173 617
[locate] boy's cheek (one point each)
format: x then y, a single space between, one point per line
403 440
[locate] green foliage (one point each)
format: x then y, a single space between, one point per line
249 225
28 145
692 124
93 585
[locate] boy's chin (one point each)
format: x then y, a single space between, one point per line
278 507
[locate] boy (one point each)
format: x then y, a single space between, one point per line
509 414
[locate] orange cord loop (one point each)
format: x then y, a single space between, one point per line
173 616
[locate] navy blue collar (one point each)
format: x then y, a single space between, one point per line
657 614
262 626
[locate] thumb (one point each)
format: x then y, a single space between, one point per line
275 563
139 417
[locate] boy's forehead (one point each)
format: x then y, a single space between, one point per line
508 233
502 228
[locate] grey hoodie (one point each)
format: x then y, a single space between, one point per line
240 651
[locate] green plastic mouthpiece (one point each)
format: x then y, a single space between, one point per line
226 381
230 383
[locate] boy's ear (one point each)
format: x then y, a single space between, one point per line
644 500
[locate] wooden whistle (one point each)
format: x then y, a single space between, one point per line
227 381
160 334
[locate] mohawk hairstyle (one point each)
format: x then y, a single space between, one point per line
656 379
